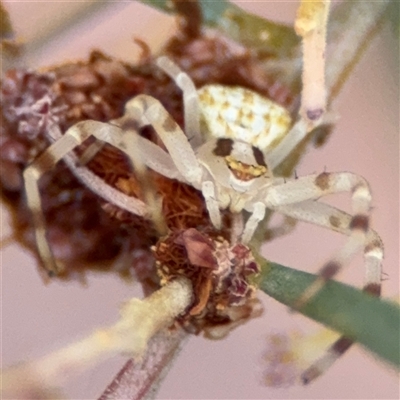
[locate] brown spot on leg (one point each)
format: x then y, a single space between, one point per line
321 134
334 352
44 162
329 270
126 125
373 289
334 221
360 222
169 124
342 345
309 375
322 181
375 244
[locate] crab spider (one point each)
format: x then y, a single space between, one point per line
232 171
230 134
232 141
224 154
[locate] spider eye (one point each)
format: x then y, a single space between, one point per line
224 147
259 156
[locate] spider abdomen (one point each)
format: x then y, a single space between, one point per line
241 114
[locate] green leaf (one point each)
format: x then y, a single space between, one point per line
368 320
268 38
212 10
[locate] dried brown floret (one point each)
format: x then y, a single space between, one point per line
219 272
32 101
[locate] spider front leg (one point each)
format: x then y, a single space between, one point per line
312 188
311 25
258 214
74 136
191 106
210 197
329 217
149 111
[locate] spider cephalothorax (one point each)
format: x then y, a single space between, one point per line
245 163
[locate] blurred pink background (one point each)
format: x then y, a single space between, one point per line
37 319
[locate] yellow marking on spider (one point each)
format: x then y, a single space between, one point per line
244 172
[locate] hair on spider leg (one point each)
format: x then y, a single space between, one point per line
322 133
385 276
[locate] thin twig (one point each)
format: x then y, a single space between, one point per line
140 320
141 378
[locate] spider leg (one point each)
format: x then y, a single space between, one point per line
152 198
149 111
291 140
91 152
210 197
74 136
329 217
294 137
311 24
256 217
237 227
191 104
313 187
157 159
284 228
191 107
